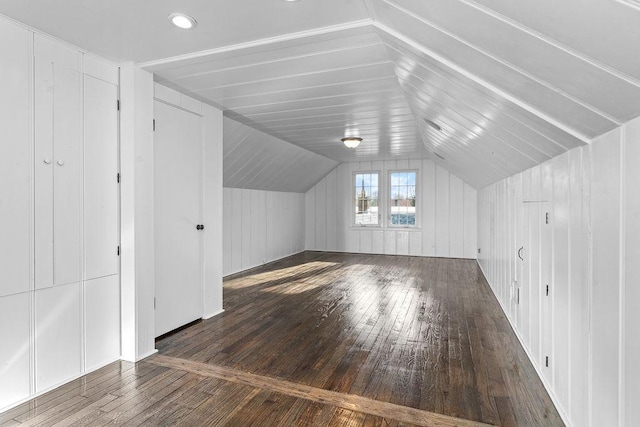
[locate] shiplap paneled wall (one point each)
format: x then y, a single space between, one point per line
446 216
588 255
260 226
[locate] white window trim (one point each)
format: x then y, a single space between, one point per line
388 198
353 198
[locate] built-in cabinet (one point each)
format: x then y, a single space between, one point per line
60 290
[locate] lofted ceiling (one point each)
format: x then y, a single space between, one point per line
508 84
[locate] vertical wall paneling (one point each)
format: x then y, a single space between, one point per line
245 216
585 329
331 203
605 226
227 234
470 231
310 219
443 198
456 226
321 215
579 291
428 217
235 223
561 286
270 227
15 175
631 297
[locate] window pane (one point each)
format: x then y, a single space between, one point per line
366 193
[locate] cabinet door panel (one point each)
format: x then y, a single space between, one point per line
43 166
100 185
67 195
15 173
102 333
15 349
58 335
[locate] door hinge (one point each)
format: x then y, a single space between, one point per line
154 125
546 361
154 303
546 217
118 104
547 290
118 250
118 177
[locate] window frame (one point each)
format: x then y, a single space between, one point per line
354 195
388 198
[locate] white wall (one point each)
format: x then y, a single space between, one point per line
588 255
446 214
259 227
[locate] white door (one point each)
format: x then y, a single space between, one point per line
58 164
100 178
178 150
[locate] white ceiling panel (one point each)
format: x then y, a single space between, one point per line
542 60
511 83
605 30
253 159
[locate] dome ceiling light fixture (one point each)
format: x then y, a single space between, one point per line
433 125
183 21
352 141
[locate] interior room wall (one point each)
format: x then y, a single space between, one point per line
588 257
260 226
446 214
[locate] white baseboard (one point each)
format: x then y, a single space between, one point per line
209 316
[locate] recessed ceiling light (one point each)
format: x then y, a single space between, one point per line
433 125
183 21
352 141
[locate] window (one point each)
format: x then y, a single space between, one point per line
402 202
366 198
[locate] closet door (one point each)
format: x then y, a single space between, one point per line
58 164
178 181
15 173
100 178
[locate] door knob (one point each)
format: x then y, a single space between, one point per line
60 162
47 161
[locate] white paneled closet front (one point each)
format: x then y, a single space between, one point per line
58 213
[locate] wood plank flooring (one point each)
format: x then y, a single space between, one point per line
323 339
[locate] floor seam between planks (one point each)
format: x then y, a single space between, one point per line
314 394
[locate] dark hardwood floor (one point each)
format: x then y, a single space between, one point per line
324 339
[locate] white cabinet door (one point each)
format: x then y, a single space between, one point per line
58 333
178 149
100 183
15 351
102 328
58 164
15 172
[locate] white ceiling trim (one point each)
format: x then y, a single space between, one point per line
421 48
262 42
550 41
507 64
